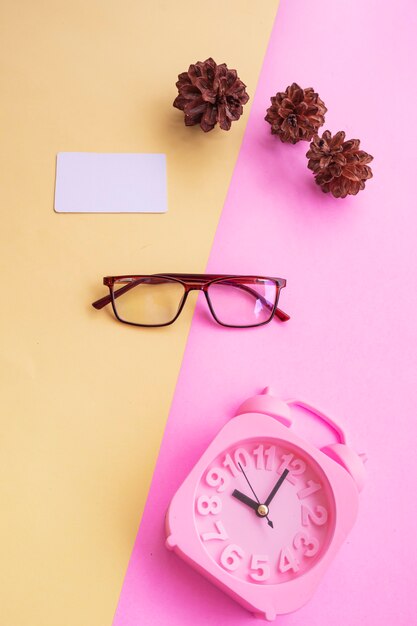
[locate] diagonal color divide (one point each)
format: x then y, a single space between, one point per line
344 341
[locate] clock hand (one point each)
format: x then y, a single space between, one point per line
245 499
262 509
277 486
250 486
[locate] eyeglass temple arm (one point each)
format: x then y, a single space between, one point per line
102 302
105 300
281 315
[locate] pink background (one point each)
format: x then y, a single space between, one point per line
350 347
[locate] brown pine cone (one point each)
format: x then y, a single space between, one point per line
209 94
338 165
296 114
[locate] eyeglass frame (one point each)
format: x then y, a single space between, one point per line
190 282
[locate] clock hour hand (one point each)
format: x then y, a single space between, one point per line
260 509
277 486
245 499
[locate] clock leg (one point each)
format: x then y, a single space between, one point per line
270 615
170 542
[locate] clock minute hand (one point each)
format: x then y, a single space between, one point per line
277 486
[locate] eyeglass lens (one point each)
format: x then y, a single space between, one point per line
147 301
248 302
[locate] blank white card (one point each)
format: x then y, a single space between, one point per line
90 182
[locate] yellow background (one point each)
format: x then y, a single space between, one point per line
84 399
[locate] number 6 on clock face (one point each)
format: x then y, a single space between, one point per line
275 543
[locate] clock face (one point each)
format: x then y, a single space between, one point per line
264 511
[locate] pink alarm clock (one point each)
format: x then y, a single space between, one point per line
264 511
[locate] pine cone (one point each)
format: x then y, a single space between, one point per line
296 114
209 93
338 165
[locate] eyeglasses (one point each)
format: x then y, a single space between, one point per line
158 299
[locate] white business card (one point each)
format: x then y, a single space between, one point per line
90 182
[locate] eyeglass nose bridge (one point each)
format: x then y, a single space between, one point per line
201 286
198 286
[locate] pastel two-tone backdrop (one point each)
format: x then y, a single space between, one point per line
85 401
